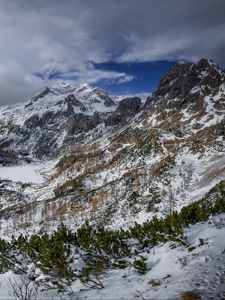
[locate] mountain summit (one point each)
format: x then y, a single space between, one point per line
57 116
188 78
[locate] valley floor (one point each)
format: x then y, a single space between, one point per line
26 173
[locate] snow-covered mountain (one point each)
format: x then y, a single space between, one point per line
118 163
112 161
55 118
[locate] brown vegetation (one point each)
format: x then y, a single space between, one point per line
189 296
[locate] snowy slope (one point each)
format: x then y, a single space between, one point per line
62 163
169 154
52 99
198 269
174 271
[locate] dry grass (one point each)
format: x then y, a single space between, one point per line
79 155
191 295
160 167
154 282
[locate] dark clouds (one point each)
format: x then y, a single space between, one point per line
72 37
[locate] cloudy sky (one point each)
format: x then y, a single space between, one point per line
123 46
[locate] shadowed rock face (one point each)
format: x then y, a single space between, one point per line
45 92
183 77
33 122
72 101
114 119
81 123
127 107
43 133
7 157
108 102
187 83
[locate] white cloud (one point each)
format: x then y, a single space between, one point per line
15 84
125 78
39 40
60 36
174 45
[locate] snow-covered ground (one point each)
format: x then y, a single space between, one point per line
199 268
91 98
174 271
27 173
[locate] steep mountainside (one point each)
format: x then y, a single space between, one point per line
149 179
57 117
114 163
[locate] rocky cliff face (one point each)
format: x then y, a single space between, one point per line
56 118
186 78
128 107
191 96
116 163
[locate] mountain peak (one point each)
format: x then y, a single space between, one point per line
185 76
209 66
83 85
63 87
207 62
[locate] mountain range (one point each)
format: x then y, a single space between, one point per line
74 153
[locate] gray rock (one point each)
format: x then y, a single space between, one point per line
83 123
107 100
129 106
103 96
183 77
33 122
45 92
148 101
72 101
114 119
